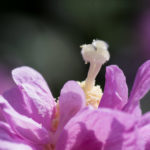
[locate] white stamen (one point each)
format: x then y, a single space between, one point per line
96 54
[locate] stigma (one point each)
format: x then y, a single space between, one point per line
96 54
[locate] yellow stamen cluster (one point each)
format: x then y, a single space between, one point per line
93 96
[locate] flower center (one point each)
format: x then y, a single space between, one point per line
96 54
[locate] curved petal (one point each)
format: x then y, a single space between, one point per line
25 127
116 91
5 128
36 94
8 141
144 130
71 100
144 120
99 129
1 116
140 88
144 134
17 101
13 145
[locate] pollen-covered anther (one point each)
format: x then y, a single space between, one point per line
93 96
96 54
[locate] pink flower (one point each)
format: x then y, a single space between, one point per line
32 120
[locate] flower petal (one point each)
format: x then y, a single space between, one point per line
38 98
6 131
1 116
98 129
145 137
116 91
144 120
144 131
16 100
71 100
25 127
13 145
140 88
8 141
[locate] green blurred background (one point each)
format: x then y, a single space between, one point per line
46 35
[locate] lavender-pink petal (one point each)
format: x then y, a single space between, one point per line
144 131
17 101
116 91
71 100
25 127
140 88
99 129
36 94
8 140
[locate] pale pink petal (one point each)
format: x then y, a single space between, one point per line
6 131
116 91
144 120
144 131
1 116
99 129
25 127
17 101
144 134
36 94
71 100
13 145
140 88
9 141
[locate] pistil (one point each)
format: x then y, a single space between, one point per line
96 54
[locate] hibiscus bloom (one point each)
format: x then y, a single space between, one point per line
31 119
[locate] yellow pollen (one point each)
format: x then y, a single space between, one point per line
93 96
